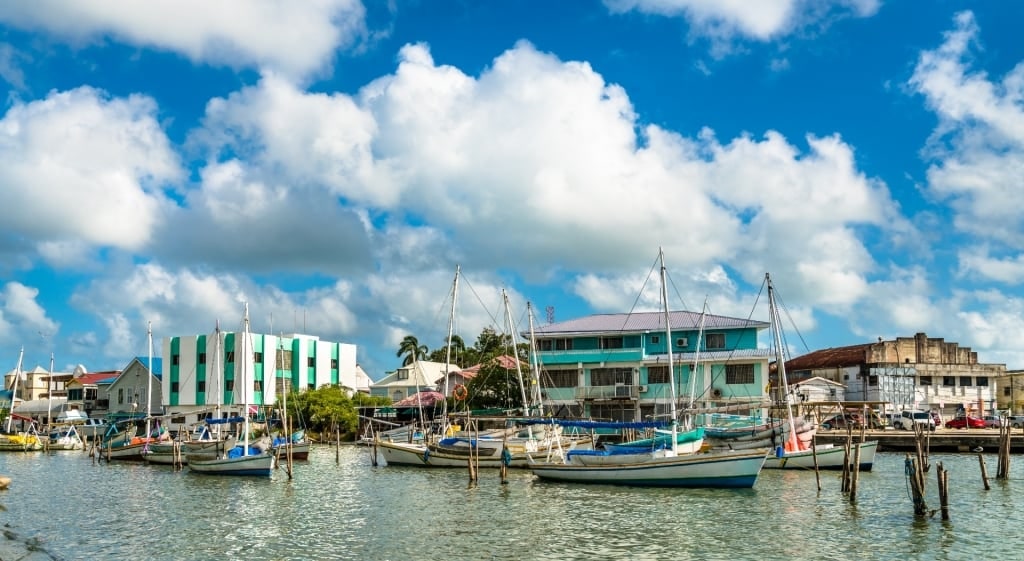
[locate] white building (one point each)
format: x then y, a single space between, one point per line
201 374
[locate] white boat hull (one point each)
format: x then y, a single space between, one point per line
829 457
727 469
395 453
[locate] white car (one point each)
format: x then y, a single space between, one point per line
908 419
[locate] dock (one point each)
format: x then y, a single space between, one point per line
941 440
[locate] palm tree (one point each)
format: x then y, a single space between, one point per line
411 348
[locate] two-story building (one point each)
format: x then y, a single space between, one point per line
615 366
918 372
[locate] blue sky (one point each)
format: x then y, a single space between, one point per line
331 162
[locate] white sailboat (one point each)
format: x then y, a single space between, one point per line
243 459
795 452
664 467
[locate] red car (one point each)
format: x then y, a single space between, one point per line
965 423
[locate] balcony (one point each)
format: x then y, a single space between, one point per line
607 392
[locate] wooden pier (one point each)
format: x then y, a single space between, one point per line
942 440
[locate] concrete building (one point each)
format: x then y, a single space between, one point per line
202 374
411 379
615 366
918 372
136 388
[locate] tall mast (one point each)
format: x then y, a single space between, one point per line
149 378
780 363
534 365
668 344
246 357
696 358
448 347
14 387
515 352
49 392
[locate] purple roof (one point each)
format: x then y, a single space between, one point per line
640 322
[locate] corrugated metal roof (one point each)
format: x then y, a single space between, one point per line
837 357
640 322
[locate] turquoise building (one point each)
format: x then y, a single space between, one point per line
615 366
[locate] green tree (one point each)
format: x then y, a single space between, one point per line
495 386
458 352
411 349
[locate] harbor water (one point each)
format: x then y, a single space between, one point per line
339 506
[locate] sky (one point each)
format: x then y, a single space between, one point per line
332 162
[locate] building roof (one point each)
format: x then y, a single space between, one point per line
641 322
425 398
97 378
836 357
422 373
158 364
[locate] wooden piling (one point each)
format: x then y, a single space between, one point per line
814 456
943 482
984 471
856 474
915 475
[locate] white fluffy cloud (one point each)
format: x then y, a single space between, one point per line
978 148
21 316
296 38
79 169
764 20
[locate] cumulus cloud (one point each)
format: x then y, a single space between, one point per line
977 151
21 315
295 38
83 169
723 21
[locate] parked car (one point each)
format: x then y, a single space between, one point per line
909 418
965 423
992 421
1016 421
842 421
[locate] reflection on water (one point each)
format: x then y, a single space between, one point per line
351 510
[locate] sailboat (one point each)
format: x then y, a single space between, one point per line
663 467
23 441
243 459
795 452
130 448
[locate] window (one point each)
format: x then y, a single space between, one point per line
201 386
174 387
311 387
230 357
981 381
611 376
925 381
120 395
611 342
202 358
257 357
229 385
714 341
257 386
555 344
174 360
965 381
178 420
873 380
655 339
560 378
657 374
403 374
739 373
334 364
311 362
284 359
1007 391
949 381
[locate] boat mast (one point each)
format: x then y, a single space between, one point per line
780 363
534 365
246 357
149 378
14 394
49 393
448 349
696 360
515 353
668 345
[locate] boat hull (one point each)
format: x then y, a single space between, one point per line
733 470
259 465
829 457
300 450
405 454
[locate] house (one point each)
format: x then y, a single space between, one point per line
918 372
818 389
615 366
136 389
462 377
411 379
88 392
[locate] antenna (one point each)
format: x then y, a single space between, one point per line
549 312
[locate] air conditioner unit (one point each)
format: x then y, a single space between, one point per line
682 342
643 389
716 392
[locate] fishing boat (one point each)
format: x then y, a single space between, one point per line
794 452
65 437
246 458
26 440
660 466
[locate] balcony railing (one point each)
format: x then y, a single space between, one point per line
608 392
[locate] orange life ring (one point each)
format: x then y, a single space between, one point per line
460 392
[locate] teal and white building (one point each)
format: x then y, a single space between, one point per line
198 378
615 366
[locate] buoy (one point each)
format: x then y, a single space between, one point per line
5 482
